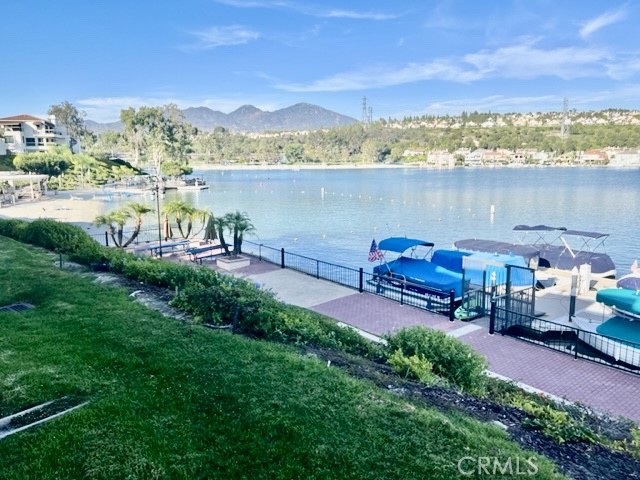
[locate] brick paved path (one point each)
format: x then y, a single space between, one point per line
603 388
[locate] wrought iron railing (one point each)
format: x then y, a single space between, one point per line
564 338
404 292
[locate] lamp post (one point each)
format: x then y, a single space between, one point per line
158 210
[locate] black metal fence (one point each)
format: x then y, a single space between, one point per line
508 318
149 236
485 280
404 292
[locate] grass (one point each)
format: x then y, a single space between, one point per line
170 400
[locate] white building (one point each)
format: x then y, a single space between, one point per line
625 158
26 133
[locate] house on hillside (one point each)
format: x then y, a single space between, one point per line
441 159
592 157
26 133
625 158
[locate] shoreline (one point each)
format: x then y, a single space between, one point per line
350 166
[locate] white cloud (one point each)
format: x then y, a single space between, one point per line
357 15
380 77
520 61
222 36
601 21
524 61
306 10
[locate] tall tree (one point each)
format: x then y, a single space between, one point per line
161 131
72 119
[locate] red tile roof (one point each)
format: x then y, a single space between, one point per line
22 118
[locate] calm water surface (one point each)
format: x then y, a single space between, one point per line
333 214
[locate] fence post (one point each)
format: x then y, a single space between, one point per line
260 252
360 280
317 269
282 258
492 317
402 293
575 348
106 239
452 305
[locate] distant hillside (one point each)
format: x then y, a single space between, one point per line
302 116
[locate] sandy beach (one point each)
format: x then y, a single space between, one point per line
63 207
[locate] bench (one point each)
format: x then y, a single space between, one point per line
169 247
209 250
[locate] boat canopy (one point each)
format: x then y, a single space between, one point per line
579 233
537 228
400 244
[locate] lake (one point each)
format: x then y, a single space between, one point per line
333 215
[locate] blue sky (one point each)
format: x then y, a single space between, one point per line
406 57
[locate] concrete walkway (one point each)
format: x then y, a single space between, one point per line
604 389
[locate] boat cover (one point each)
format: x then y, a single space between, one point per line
400 244
481 265
561 258
621 298
530 253
537 228
620 328
423 273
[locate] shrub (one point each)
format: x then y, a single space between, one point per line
451 359
13 228
211 297
415 366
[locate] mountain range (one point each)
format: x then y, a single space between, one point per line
301 116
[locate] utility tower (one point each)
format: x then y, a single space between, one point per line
365 111
564 124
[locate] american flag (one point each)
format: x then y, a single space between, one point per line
374 253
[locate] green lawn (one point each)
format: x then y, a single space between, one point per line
168 400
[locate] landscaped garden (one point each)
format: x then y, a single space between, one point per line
172 399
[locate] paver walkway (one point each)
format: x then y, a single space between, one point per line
603 388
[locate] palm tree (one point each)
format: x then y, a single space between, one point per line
240 224
116 220
183 211
221 223
137 210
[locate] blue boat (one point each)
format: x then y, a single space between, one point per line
623 300
413 270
